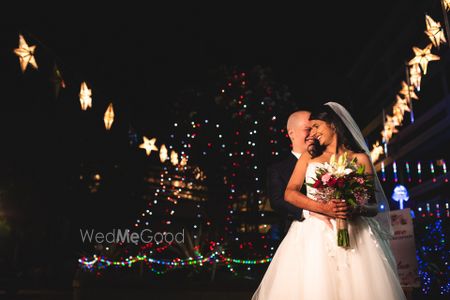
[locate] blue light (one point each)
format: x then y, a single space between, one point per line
400 194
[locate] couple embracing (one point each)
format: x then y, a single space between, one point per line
309 264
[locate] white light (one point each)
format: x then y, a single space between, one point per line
206 121
274 118
175 124
256 122
155 201
217 125
220 136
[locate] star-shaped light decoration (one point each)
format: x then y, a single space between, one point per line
446 4
408 92
148 145
389 129
434 31
423 56
376 152
25 54
395 120
174 158
400 106
85 96
415 76
109 117
163 153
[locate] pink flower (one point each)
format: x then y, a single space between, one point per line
326 177
360 180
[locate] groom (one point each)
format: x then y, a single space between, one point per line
278 174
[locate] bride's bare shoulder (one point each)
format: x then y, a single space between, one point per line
360 157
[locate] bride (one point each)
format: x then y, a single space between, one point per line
308 264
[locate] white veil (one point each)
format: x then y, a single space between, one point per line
383 226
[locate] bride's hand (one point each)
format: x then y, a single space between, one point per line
337 208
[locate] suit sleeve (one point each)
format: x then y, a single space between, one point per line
275 190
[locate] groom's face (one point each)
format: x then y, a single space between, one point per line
301 134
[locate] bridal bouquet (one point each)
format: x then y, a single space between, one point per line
342 179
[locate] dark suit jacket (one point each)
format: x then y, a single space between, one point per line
278 176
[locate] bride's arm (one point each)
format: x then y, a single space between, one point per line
292 194
370 209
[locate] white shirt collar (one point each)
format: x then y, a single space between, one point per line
296 154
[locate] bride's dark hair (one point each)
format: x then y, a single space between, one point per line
344 137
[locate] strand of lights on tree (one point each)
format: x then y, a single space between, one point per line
433 257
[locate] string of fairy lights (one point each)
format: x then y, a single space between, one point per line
416 68
435 169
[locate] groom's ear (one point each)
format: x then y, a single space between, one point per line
290 132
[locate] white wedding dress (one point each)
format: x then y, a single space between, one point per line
308 264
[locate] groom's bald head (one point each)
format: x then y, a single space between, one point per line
298 130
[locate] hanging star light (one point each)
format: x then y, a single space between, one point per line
109 117
148 145
415 76
394 120
163 153
25 54
408 92
446 4
389 129
376 152
174 158
400 106
85 96
434 31
423 56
